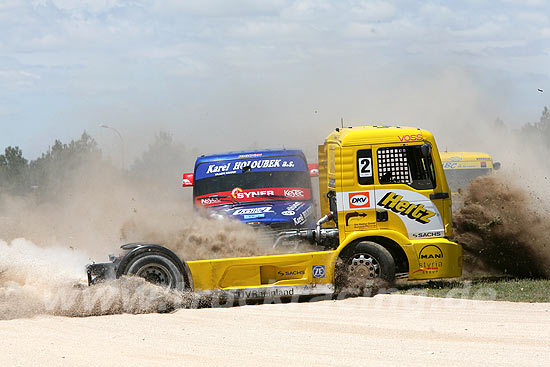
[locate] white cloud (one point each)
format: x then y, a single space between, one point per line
528 2
375 11
480 32
91 6
533 18
18 78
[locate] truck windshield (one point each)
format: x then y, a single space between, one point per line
406 165
273 178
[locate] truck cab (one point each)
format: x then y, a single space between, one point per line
462 167
387 185
261 188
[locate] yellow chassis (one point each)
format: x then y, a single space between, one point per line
313 272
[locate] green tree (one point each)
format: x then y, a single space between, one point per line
53 169
539 130
164 161
13 170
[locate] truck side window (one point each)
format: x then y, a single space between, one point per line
406 165
364 167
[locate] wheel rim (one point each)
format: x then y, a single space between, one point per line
364 266
156 274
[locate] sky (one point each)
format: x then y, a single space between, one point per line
229 75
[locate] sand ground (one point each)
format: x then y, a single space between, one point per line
390 329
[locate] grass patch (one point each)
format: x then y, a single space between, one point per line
513 290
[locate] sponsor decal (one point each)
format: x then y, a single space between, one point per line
430 259
239 193
250 155
413 137
294 206
450 165
290 273
294 193
415 212
264 163
288 212
483 164
359 200
353 215
253 216
253 164
430 252
262 293
318 271
260 210
217 168
210 201
302 218
428 234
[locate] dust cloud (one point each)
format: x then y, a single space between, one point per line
504 229
36 280
47 241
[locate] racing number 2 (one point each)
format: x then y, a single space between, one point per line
365 167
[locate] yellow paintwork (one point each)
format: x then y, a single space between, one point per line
428 258
257 271
466 160
346 142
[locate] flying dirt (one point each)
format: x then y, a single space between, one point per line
502 230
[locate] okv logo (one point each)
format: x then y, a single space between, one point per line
318 271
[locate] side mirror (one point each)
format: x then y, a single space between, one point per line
188 179
426 150
496 165
313 169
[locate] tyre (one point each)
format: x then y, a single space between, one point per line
365 265
156 268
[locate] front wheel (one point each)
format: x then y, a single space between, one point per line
365 265
156 268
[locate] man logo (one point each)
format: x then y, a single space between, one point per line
359 200
318 271
430 252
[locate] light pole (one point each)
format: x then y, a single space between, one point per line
121 140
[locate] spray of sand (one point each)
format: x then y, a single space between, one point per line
504 229
47 241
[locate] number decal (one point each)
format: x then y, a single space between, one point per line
365 167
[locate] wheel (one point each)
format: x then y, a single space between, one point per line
156 268
366 265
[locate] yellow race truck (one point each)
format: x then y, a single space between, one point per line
462 167
386 212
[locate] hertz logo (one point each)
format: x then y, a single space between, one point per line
416 212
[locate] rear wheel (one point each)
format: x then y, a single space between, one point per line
365 265
156 268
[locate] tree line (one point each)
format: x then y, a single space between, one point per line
47 174
163 161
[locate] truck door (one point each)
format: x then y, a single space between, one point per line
406 190
356 201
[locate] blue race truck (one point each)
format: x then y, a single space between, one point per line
261 188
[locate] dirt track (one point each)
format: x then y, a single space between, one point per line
355 331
